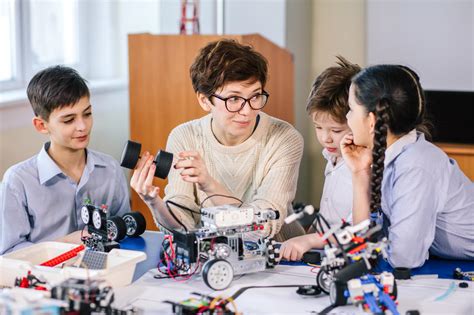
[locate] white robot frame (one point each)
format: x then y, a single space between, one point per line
231 242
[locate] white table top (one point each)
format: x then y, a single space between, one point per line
425 295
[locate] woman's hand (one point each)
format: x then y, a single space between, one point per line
294 248
358 158
193 170
142 179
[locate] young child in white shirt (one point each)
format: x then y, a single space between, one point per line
327 106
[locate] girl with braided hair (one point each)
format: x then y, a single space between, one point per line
424 200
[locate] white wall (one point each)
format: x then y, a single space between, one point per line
266 17
435 38
298 36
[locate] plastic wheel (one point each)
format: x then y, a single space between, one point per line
218 274
130 154
86 214
116 229
163 161
273 253
135 223
324 279
336 293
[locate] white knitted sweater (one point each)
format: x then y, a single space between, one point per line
262 171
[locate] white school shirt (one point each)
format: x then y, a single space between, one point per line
336 201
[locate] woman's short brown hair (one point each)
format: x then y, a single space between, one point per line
330 91
226 61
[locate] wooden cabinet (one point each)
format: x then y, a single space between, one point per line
463 154
162 97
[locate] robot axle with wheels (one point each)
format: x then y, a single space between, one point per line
105 233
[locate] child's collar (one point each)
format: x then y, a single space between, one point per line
397 147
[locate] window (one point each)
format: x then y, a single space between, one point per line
36 34
8 23
53 33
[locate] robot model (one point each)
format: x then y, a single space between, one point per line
374 294
106 232
348 244
231 242
351 252
73 296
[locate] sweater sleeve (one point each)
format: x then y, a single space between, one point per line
177 190
282 159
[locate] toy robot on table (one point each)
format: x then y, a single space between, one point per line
345 244
351 244
351 252
72 296
230 242
201 304
105 233
374 293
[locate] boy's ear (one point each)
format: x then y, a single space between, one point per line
40 125
204 101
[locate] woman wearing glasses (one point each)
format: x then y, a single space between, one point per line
234 151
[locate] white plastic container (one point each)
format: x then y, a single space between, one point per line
118 272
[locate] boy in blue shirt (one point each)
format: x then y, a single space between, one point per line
327 106
41 198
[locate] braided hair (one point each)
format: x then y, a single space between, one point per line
394 94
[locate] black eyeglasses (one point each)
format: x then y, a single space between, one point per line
235 103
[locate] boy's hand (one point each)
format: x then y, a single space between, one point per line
358 158
194 170
142 179
293 249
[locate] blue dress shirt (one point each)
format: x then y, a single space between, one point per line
38 202
428 201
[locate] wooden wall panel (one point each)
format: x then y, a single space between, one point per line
162 97
463 154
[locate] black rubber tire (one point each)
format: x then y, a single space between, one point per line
320 282
118 224
130 154
138 223
163 161
208 268
336 293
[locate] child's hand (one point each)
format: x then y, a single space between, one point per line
293 249
142 179
358 158
194 170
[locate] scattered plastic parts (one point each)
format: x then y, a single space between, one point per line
464 285
309 290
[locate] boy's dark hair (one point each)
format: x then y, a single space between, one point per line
55 87
226 61
394 94
330 91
